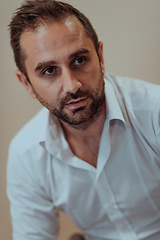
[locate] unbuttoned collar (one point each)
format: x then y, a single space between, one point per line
55 141
113 109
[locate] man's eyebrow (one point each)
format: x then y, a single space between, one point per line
80 51
42 65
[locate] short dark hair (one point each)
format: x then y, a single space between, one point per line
32 13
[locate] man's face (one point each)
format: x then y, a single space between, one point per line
64 70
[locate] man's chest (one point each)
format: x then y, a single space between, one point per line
121 196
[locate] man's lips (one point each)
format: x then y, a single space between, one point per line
76 103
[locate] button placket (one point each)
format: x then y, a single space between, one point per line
112 210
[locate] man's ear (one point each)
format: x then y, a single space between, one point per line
101 59
23 79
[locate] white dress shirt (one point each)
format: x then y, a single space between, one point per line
118 200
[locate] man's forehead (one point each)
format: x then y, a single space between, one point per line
55 41
70 25
71 22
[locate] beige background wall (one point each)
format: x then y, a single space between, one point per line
130 30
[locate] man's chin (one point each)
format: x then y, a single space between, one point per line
80 118
76 117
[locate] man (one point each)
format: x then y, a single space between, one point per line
94 150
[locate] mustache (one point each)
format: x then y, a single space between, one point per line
73 96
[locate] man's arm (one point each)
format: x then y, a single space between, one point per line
33 213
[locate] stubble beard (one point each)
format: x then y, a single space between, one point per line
79 118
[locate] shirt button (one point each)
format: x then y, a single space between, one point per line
110 205
99 177
124 227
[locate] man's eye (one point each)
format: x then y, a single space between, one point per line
79 61
49 70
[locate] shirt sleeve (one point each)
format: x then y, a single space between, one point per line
156 124
33 214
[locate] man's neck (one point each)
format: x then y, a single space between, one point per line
84 142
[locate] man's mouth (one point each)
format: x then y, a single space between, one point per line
76 103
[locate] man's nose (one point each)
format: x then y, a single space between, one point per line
70 82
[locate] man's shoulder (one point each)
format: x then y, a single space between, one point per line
136 93
139 102
33 132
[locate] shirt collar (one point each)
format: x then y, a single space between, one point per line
53 135
113 109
